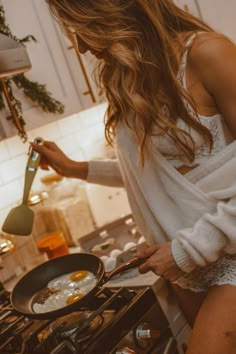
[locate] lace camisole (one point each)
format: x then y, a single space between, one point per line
223 271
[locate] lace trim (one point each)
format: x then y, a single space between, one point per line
215 126
222 272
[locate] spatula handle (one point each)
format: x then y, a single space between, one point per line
31 169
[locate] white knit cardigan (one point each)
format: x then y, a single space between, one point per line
197 211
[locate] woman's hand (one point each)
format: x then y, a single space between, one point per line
53 156
160 261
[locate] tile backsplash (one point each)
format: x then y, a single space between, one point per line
80 136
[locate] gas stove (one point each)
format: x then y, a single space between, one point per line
117 320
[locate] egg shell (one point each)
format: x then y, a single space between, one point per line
110 264
129 245
115 253
141 240
104 259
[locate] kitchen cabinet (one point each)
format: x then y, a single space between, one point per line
54 62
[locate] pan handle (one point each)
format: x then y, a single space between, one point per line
132 263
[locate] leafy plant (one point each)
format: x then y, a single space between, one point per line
32 90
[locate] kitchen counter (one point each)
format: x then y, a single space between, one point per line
133 278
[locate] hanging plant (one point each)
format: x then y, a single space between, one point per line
34 91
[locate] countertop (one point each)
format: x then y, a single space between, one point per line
134 279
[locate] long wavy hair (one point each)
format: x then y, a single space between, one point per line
143 40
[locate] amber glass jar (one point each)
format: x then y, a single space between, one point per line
54 244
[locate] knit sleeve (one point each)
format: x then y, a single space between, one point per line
211 236
105 172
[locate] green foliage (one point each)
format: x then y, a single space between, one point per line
32 90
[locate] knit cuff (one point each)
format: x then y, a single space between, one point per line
181 258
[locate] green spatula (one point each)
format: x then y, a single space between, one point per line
20 220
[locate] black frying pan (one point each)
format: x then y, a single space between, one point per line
34 284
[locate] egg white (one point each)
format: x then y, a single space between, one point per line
64 288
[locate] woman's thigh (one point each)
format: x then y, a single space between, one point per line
189 302
214 330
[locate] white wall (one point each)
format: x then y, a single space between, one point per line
220 14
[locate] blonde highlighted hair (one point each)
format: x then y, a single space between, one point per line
142 40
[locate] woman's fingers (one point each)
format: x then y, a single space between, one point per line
42 149
149 251
49 152
51 146
145 267
44 163
161 262
149 264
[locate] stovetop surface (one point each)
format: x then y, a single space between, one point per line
94 329
110 318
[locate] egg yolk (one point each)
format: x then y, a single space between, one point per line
77 276
73 298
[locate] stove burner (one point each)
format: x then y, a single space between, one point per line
80 325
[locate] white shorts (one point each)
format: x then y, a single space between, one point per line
221 272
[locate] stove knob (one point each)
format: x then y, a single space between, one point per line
144 333
124 350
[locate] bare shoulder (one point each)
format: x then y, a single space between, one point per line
213 61
211 47
211 55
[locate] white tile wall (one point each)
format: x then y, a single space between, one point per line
80 136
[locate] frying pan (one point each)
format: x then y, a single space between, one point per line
34 284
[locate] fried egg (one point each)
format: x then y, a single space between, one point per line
80 275
66 290
73 298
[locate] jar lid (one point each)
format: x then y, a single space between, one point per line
6 245
35 199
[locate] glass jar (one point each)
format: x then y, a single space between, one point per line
54 244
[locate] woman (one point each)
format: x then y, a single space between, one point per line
170 82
